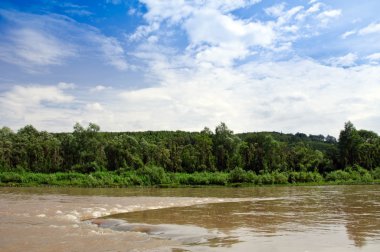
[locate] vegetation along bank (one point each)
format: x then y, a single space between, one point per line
91 158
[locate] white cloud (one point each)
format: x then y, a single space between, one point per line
347 60
286 16
275 10
94 107
211 78
222 55
218 29
33 104
176 11
330 14
112 51
144 30
217 36
326 16
99 88
29 41
373 58
371 28
28 47
348 34
228 39
35 41
314 8
50 108
65 85
288 96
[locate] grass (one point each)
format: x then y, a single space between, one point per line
156 176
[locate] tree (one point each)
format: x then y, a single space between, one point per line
247 153
267 153
306 159
320 138
6 148
349 141
27 148
122 152
368 149
367 136
331 139
51 160
203 151
90 148
225 147
87 149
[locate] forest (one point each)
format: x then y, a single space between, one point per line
90 157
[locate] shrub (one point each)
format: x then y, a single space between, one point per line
267 179
237 175
338 175
153 175
218 178
252 177
376 173
350 174
280 178
10 177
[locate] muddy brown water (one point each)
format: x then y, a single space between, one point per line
326 218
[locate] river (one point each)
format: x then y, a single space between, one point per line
323 218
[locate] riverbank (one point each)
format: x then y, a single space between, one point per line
156 176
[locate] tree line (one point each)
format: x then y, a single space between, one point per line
87 150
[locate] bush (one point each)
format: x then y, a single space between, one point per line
237 175
180 178
280 178
363 174
305 177
350 174
132 179
153 175
376 173
218 178
267 179
338 175
199 178
252 177
10 177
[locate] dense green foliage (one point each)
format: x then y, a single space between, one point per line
148 158
156 176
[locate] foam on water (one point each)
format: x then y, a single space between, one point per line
86 213
185 234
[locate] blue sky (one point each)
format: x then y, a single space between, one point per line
291 66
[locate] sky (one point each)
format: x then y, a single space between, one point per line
127 65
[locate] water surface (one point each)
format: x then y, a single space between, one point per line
328 218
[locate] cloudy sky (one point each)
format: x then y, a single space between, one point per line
291 66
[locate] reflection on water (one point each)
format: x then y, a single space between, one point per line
344 218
